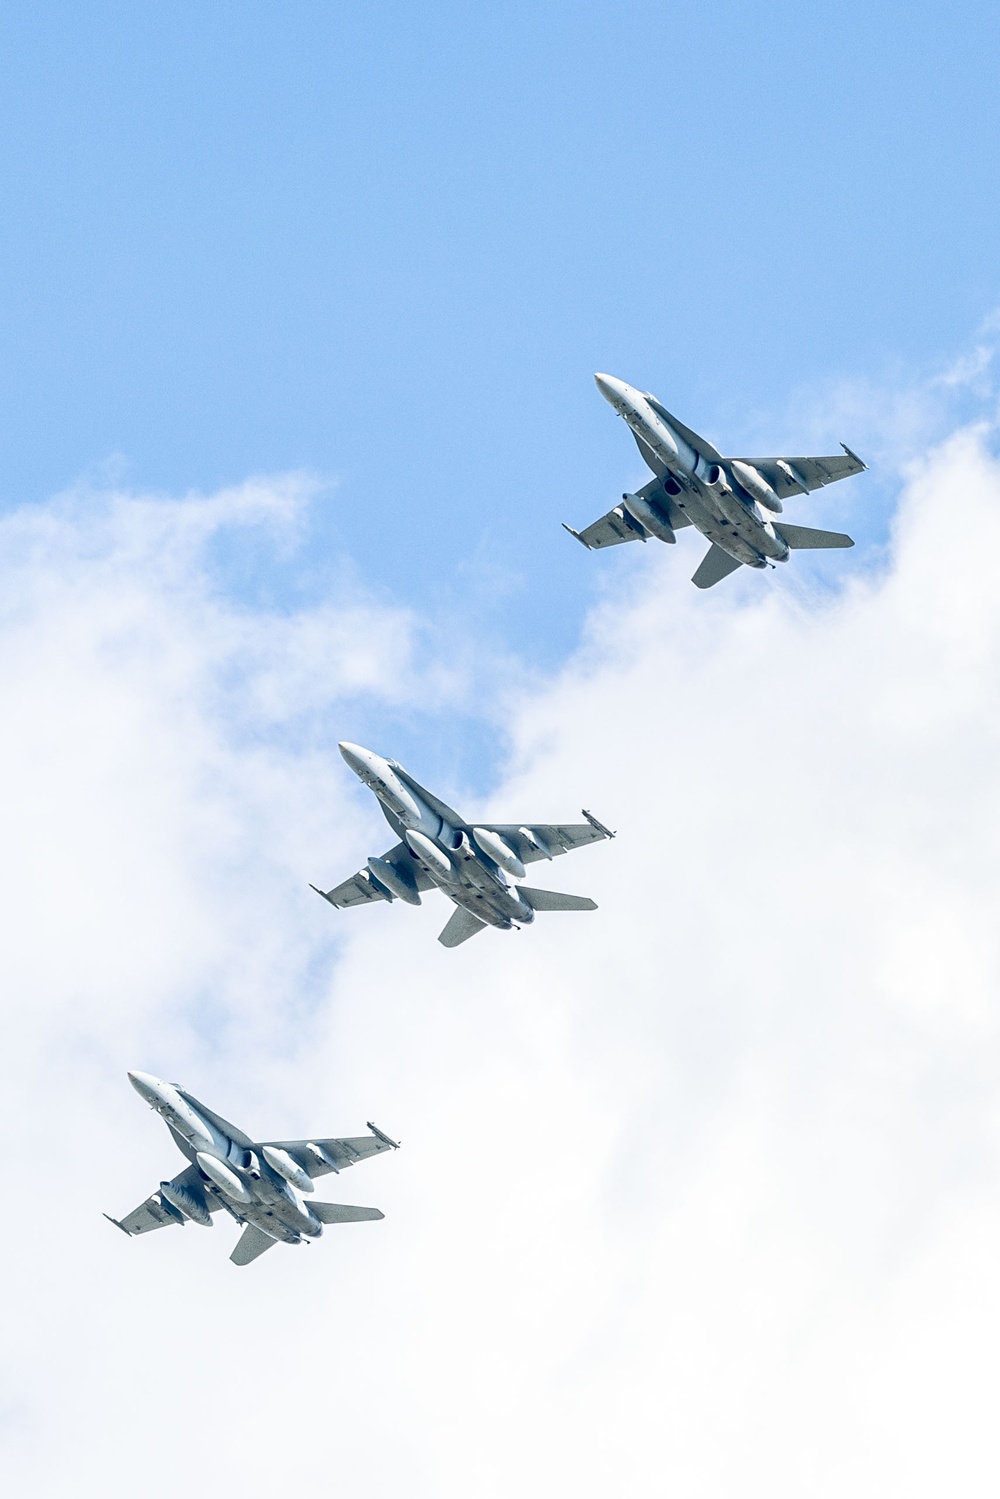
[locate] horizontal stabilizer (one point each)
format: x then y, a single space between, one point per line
460 928
551 900
338 1212
805 538
252 1244
715 565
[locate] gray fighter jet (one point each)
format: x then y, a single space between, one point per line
469 862
261 1185
729 500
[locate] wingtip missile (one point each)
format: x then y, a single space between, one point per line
597 826
577 535
117 1224
321 892
379 1135
850 454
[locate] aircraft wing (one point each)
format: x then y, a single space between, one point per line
155 1213
618 526
547 840
342 1152
612 529
360 889
814 472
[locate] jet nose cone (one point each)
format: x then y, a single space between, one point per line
610 386
356 756
145 1084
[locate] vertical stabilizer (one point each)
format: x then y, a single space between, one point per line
460 928
715 565
252 1244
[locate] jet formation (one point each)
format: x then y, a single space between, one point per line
267 1186
731 501
472 863
263 1185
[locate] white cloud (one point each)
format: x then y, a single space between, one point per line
697 1193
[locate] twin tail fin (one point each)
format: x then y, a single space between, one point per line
462 924
254 1241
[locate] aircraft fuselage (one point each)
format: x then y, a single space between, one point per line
705 491
443 852
236 1177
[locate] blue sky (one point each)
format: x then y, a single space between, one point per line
390 245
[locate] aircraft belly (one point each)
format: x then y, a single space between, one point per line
474 886
269 1223
716 527
274 1212
280 1219
479 890
485 896
760 538
512 907
476 901
744 537
693 506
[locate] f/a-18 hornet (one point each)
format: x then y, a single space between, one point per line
729 500
262 1185
470 862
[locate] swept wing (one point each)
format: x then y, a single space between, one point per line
155 1213
618 525
782 473
361 889
544 840
341 1153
